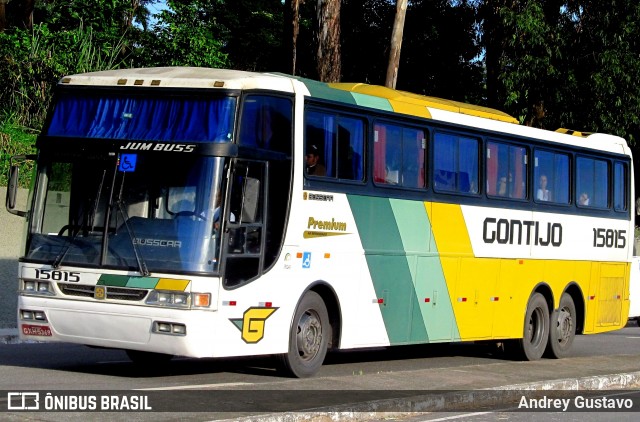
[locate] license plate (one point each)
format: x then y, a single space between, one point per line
36 330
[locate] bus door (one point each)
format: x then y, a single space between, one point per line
244 232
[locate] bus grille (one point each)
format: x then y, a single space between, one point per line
114 293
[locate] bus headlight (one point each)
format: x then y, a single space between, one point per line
166 298
179 299
27 315
36 287
172 328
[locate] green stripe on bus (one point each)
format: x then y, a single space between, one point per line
321 90
113 280
434 304
143 282
413 225
390 269
371 101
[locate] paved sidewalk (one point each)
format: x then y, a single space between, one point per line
468 388
11 240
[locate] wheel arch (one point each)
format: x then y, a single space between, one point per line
331 301
545 290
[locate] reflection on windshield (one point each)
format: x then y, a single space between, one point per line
157 213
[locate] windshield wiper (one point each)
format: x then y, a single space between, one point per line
58 261
142 266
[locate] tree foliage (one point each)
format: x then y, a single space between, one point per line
579 59
550 63
186 34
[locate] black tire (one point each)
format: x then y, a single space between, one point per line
562 328
536 328
147 358
308 337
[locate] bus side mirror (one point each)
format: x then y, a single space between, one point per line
12 188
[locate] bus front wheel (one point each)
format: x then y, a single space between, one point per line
536 328
563 328
308 338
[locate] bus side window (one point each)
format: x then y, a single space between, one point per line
350 148
551 176
455 163
506 170
414 145
334 145
592 182
266 123
620 187
320 136
399 155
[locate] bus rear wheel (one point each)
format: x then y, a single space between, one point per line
308 338
536 328
563 328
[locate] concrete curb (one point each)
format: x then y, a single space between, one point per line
483 400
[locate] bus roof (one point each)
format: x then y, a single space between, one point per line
371 96
181 77
425 101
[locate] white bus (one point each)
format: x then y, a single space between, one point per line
209 213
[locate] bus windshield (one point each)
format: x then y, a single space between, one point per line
142 212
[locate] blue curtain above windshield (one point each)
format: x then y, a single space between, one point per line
144 118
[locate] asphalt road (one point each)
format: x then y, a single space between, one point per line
358 385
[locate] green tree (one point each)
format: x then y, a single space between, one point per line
66 37
186 34
606 57
252 33
533 71
564 63
439 51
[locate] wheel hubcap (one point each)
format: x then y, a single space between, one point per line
309 335
564 325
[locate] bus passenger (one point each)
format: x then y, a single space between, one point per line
218 210
314 167
502 186
543 193
584 199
